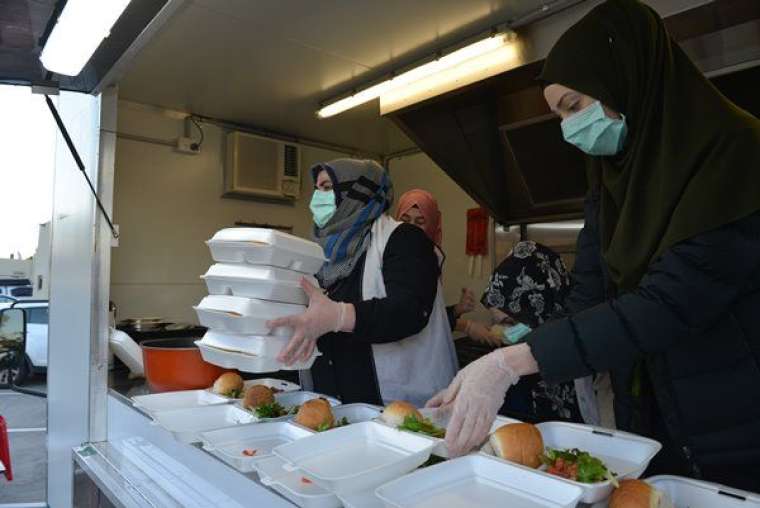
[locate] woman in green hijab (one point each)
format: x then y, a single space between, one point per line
667 279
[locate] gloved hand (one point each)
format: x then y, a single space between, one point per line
478 332
322 316
466 302
473 400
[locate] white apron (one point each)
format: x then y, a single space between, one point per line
417 367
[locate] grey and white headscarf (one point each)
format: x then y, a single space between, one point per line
363 192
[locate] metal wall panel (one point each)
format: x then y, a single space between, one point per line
72 278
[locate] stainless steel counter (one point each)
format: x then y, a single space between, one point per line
141 464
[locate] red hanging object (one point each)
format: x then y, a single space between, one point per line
477 238
5 450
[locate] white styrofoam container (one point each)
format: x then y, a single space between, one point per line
278 384
441 450
477 480
355 413
260 282
685 493
356 457
366 499
259 246
289 400
229 444
248 363
234 314
292 486
127 350
625 454
187 424
169 401
258 345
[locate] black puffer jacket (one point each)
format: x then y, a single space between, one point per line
694 320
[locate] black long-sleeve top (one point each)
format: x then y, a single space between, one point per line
693 321
410 270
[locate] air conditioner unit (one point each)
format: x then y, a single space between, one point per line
258 167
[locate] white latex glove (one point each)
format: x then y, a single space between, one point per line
321 316
473 399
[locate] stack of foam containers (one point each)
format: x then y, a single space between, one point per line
256 278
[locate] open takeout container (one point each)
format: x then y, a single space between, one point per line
477 480
290 401
241 447
294 486
357 457
440 449
278 385
186 425
627 455
686 492
169 401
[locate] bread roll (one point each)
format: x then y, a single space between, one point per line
257 395
638 494
395 412
518 442
227 383
314 414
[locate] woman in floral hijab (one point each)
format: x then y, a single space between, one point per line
526 290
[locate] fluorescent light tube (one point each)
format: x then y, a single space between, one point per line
78 32
453 59
465 73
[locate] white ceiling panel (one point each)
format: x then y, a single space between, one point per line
269 63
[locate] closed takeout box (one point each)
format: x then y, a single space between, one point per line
234 314
261 282
248 363
260 246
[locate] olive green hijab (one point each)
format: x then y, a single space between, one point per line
691 160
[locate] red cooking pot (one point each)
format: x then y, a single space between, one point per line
176 364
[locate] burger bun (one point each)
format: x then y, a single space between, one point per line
315 413
518 442
638 494
227 383
257 395
395 413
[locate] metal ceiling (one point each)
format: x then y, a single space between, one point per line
269 63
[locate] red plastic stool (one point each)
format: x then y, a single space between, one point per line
5 449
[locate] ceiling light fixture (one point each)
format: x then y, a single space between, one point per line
494 52
79 30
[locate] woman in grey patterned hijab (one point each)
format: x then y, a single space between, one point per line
363 192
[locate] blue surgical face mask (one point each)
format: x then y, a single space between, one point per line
594 132
514 333
322 206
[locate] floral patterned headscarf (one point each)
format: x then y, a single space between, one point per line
530 285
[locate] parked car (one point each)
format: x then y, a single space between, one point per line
7 301
35 359
15 288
